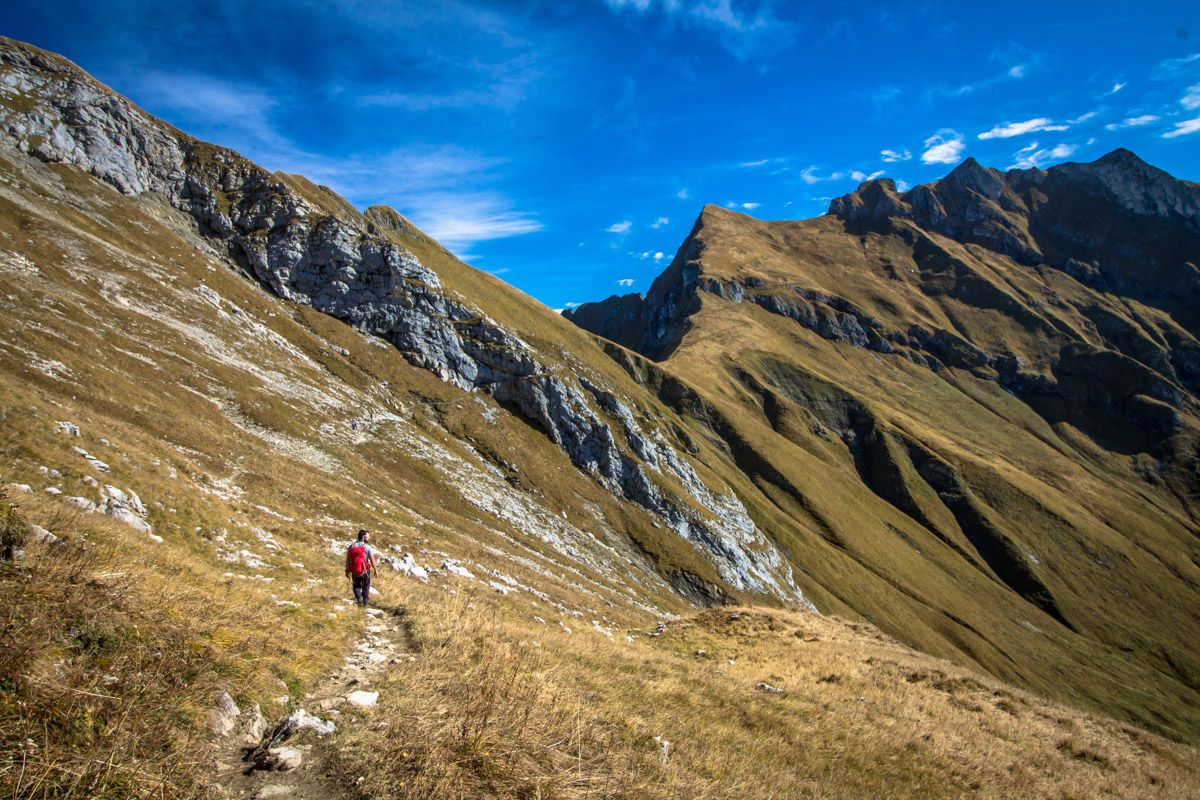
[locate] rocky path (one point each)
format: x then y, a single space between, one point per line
259 761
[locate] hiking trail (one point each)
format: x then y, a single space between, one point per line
260 760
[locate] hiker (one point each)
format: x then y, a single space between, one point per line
361 561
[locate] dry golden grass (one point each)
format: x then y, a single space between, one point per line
497 706
113 653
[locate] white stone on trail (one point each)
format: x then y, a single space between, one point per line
275 790
499 588
363 699
301 719
154 537
284 758
22 487
763 686
454 568
81 502
255 727
223 719
69 428
53 490
374 612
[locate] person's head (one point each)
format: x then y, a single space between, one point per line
363 534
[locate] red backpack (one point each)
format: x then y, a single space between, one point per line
359 563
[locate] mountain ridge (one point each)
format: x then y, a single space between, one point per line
819 445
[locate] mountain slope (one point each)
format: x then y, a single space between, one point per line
978 400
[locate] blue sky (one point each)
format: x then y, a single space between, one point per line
569 147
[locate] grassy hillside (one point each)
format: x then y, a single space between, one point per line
1054 545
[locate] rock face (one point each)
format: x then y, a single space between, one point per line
308 247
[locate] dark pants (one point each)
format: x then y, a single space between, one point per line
362 588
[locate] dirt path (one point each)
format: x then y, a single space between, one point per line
277 767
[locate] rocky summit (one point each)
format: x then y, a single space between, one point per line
925 463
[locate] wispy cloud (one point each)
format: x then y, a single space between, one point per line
458 220
810 175
684 194
862 176
892 156
239 114
658 223
656 255
944 147
764 162
1031 157
1132 122
1083 118
1172 65
1191 99
1011 129
751 206
1183 128
498 96
622 227
743 29
625 282
1015 72
1118 87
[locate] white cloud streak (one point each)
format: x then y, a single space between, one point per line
892 156
744 30
1011 129
1183 128
1191 100
1132 122
625 282
621 227
810 175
